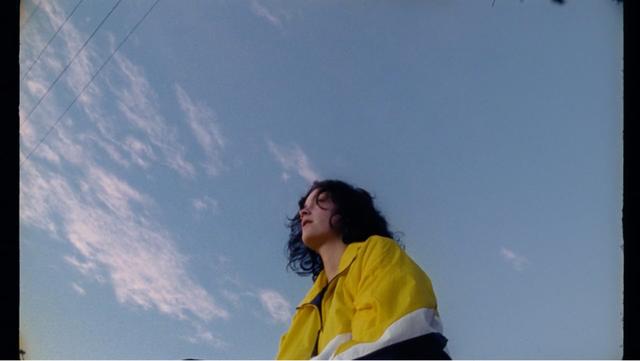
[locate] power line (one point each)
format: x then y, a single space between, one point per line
70 62
31 15
91 80
51 39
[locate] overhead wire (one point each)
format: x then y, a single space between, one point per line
50 40
70 62
90 81
31 15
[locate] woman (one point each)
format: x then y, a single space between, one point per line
369 300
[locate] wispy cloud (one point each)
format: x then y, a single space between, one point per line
517 261
199 204
263 12
137 102
48 154
34 127
40 78
276 305
37 88
79 290
141 153
203 335
134 98
205 128
114 151
85 63
205 203
293 159
105 222
87 268
69 190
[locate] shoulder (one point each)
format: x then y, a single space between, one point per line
376 248
380 244
383 253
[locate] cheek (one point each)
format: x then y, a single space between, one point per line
323 223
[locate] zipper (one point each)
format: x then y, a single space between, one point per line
315 348
333 280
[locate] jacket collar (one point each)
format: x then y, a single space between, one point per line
348 256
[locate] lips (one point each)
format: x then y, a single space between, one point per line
305 222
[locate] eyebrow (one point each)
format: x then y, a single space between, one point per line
321 194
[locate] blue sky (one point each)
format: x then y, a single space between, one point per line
152 217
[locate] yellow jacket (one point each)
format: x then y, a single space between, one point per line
380 305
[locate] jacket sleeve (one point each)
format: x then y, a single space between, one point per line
395 308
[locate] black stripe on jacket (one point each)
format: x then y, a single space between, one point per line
425 347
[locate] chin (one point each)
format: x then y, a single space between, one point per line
310 242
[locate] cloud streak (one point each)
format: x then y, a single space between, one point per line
263 12
79 290
103 222
202 335
79 71
518 262
205 203
73 187
293 159
107 220
276 305
137 102
133 96
205 128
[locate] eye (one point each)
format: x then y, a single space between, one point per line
323 201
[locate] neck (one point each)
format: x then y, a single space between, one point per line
331 252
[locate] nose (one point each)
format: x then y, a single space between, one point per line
304 212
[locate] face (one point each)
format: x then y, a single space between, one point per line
315 219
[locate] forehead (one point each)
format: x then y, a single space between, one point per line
316 194
313 195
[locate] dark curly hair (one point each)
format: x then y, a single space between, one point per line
359 219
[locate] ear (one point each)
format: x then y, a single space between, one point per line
335 221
